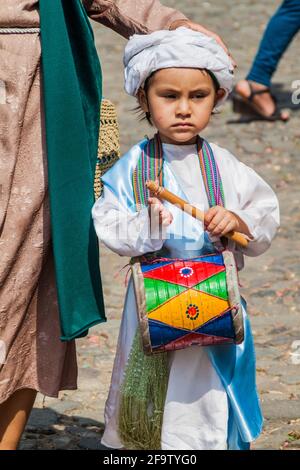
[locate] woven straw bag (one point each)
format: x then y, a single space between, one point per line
108 145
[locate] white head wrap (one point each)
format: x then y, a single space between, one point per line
182 47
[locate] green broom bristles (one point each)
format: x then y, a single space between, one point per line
142 398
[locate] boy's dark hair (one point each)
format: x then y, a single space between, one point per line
147 115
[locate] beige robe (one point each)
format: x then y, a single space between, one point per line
31 353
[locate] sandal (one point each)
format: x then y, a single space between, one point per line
243 105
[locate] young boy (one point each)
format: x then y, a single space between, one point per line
179 77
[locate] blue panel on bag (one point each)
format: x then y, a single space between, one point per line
149 267
216 259
220 326
161 333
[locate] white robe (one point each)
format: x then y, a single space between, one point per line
196 407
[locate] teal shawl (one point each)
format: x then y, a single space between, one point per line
72 94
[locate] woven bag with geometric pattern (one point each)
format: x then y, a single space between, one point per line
181 302
108 144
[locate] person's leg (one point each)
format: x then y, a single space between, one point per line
14 414
280 30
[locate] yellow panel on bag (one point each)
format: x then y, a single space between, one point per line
193 310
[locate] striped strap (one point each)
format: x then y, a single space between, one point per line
150 164
210 174
148 168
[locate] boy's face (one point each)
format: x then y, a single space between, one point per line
180 102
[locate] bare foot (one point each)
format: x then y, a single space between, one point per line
264 102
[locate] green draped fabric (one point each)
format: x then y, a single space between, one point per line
72 86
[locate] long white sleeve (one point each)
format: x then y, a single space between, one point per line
246 194
255 203
124 232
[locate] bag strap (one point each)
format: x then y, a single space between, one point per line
150 166
210 174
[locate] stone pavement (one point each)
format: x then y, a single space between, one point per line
270 282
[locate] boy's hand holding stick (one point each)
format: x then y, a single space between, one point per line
163 193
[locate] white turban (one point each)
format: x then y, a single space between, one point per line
182 47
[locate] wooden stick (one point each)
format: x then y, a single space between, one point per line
163 193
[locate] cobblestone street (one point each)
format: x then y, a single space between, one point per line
271 282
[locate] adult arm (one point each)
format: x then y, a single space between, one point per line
128 17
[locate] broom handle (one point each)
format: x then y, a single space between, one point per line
163 193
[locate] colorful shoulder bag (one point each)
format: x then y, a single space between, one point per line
182 302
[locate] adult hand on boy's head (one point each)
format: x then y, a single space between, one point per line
198 27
